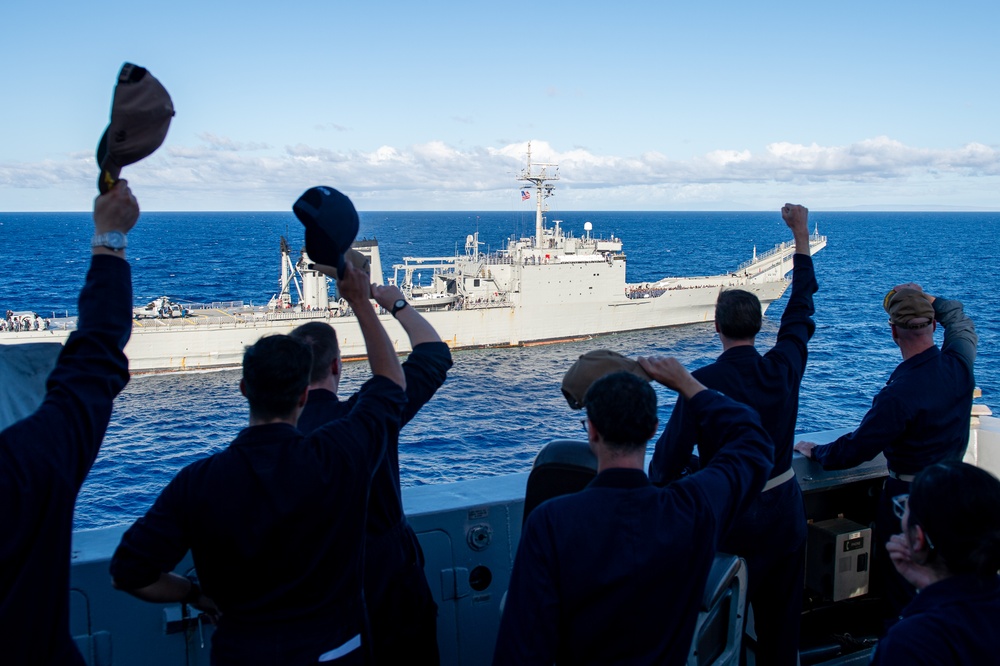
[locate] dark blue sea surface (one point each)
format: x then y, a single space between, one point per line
498 405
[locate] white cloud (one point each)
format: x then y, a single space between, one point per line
225 143
225 174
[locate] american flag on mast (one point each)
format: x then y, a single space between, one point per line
525 195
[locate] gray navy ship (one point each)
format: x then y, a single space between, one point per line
553 286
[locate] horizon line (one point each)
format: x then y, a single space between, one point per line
851 209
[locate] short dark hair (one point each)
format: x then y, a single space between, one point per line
322 339
958 506
275 373
622 408
738 314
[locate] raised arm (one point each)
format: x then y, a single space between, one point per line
673 448
69 426
797 326
673 375
797 219
959 330
676 444
428 363
354 287
414 323
744 451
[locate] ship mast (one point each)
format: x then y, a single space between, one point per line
542 191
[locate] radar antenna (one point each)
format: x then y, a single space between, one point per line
543 190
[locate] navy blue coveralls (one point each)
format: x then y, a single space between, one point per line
919 418
616 572
44 459
771 534
402 612
950 623
275 524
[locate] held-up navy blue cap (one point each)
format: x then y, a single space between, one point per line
140 117
331 224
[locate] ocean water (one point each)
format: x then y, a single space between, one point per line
498 405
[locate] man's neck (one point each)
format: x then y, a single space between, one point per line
729 343
606 459
617 464
909 350
255 421
331 384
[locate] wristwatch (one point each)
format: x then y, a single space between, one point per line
113 240
397 306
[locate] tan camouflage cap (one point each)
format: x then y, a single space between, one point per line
140 117
908 308
592 366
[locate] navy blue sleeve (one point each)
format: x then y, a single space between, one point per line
797 326
44 459
66 431
155 543
960 337
675 445
744 459
376 410
529 626
425 370
918 642
880 427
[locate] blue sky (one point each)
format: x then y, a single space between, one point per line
429 106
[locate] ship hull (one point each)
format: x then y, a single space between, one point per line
189 345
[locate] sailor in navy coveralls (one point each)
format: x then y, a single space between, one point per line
949 549
616 572
919 418
771 534
45 457
275 522
400 606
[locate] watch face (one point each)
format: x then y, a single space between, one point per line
399 304
114 240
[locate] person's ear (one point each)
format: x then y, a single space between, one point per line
919 543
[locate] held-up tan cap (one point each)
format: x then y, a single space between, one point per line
140 117
908 308
592 366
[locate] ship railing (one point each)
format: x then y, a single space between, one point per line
484 302
292 314
42 328
776 250
216 305
233 319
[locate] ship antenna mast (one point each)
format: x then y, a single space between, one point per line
543 191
